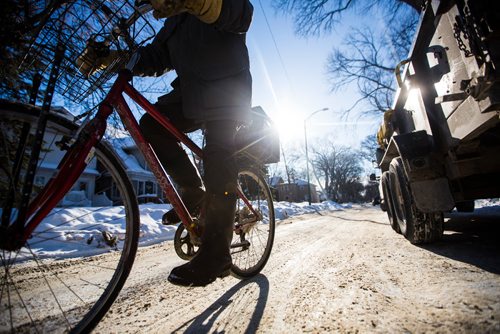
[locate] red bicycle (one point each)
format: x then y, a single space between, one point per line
63 266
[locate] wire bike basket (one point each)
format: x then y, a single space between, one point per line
69 26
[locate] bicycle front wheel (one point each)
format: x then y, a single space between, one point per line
253 235
69 272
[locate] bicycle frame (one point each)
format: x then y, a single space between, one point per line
81 152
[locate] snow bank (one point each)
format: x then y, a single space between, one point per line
488 206
77 232
283 210
72 238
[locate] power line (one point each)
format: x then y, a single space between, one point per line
276 46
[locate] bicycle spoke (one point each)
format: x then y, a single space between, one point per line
61 275
93 284
25 307
249 259
41 158
9 301
38 260
7 282
51 290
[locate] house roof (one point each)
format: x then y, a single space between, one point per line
125 148
298 182
275 180
301 182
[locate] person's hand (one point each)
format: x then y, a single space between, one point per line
207 11
96 57
167 8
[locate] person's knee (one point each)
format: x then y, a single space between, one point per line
154 132
146 123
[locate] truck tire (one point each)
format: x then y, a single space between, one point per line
416 226
388 202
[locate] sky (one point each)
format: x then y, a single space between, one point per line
290 81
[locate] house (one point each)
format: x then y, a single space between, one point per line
94 189
274 181
83 190
144 182
296 192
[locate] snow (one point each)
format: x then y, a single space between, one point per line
488 206
283 210
72 239
130 161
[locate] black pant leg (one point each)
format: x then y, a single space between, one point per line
220 170
170 153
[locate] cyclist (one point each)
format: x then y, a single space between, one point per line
204 42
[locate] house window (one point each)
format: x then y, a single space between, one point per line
159 191
140 190
138 187
39 181
83 186
115 192
80 186
150 187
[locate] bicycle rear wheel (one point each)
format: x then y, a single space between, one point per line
71 269
254 231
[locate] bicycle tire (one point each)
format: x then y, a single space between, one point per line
44 286
252 242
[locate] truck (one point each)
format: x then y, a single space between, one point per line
439 143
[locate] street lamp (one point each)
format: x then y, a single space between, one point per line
307 155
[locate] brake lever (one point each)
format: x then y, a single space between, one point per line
141 8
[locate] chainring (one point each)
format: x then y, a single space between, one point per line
185 248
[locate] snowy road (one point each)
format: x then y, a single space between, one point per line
344 271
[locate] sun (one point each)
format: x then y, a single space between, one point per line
289 124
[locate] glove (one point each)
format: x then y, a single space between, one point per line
207 11
96 57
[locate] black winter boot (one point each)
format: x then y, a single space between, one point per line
214 258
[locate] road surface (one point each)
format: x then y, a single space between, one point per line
342 271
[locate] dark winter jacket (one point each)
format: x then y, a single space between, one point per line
211 61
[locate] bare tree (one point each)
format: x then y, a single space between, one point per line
21 21
366 59
35 32
292 164
316 16
340 169
369 62
368 147
292 158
